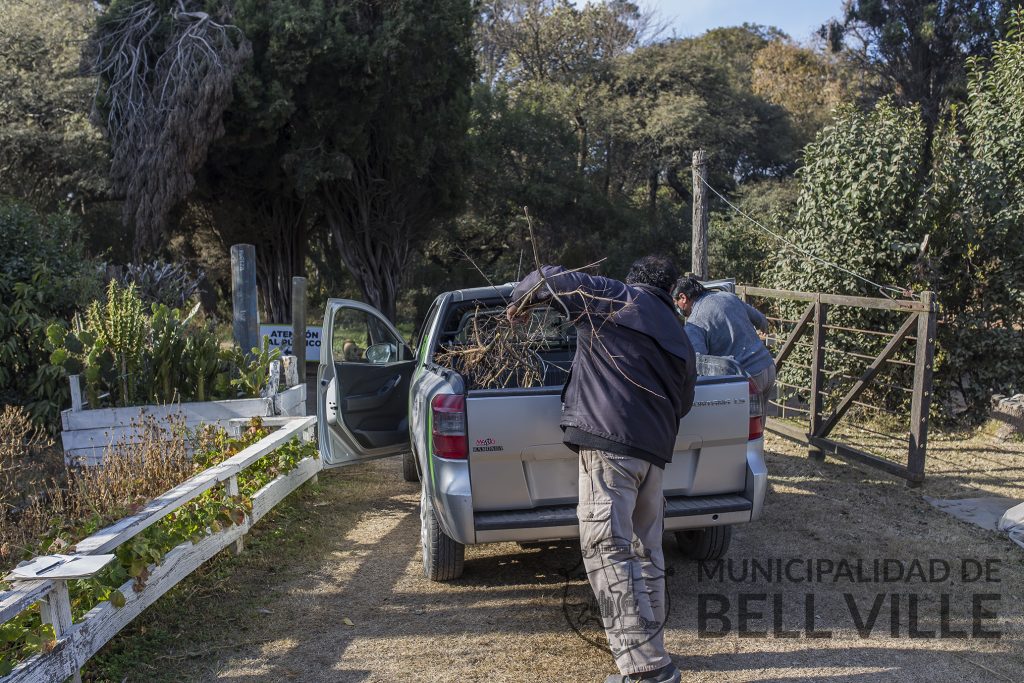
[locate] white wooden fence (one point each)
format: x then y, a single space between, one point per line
86 434
78 641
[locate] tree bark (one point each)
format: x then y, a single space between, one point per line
282 254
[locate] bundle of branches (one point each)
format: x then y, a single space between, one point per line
497 354
165 79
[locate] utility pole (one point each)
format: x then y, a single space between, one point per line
699 254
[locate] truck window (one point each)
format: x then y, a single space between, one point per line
355 331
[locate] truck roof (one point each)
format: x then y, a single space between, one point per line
497 292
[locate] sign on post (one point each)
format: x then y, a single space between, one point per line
281 338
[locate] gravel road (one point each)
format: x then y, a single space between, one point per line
348 602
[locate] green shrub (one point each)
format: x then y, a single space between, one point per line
159 282
129 357
45 276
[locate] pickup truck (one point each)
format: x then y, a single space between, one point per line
491 463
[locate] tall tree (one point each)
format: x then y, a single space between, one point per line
392 158
48 151
166 69
919 48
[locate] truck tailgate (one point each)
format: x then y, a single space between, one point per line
517 460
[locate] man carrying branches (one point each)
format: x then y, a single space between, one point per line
632 380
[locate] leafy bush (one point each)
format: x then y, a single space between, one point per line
129 357
868 199
44 277
159 282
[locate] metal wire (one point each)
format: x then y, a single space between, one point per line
881 288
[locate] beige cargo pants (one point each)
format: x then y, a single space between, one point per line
622 519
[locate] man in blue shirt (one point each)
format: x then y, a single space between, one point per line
721 324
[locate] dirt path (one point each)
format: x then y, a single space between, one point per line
346 599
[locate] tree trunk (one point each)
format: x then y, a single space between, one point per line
652 192
672 178
372 232
283 253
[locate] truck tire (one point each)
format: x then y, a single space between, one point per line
443 557
409 471
709 543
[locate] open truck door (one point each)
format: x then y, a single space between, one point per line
362 385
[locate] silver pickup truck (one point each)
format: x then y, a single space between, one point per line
491 462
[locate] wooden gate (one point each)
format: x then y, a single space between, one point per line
851 397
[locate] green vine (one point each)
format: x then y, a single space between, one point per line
209 513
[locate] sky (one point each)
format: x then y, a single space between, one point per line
798 18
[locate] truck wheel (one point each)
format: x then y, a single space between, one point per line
709 543
443 557
409 472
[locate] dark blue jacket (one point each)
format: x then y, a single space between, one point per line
634 370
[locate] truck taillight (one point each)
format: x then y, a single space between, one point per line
756 428
449 430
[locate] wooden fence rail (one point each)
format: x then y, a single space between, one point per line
76 642
918 327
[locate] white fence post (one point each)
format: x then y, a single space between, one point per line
55 610
232 484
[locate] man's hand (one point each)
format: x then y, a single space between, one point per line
517 315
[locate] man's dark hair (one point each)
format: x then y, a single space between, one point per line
656 271
690 286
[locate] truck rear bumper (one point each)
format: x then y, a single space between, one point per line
559 521
681 512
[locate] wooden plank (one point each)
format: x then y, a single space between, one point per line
817 373
20 598
76 392
58 664
869 374
111 537
786 431
204 411
104 621
699 236
921 400
851 453
276 491
291 402
878 303
790 343
56 611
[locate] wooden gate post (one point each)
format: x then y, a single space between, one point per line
817 378
921 400
699 246
299 324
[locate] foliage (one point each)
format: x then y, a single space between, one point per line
739 249
809 84
166 71
918 49
131 476
48 151
44 276
974 213
136 357
158 282
870 195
